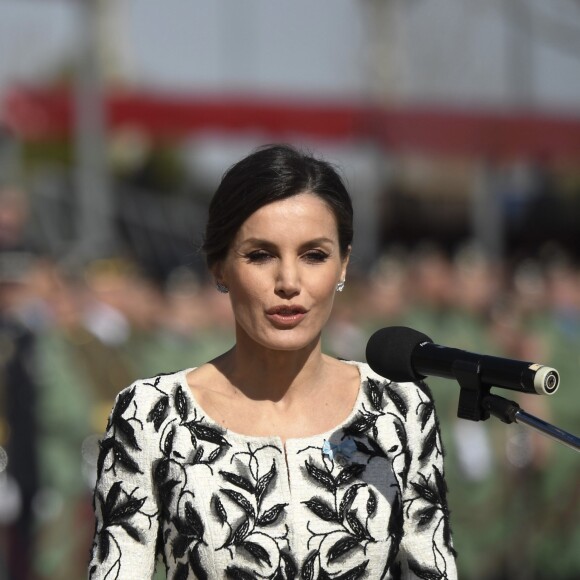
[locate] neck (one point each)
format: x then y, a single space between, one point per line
263 374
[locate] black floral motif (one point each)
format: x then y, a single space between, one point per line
396 572
433 492
288 570
171 476
364 427
337 510
426 410
366 420
219 506
235 573
117 510
362 424
375 394
248 496
120 456
395 529
159 412
122 437
429 444
372 449
308 570
399 402
425 572
190 528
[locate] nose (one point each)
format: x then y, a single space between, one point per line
287 280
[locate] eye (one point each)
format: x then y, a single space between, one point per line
258 257
315 256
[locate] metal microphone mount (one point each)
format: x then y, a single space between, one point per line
476 403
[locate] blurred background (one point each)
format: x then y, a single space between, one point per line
456 124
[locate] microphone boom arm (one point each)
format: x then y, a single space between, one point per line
477 404
511 412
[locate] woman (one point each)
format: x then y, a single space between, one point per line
274 461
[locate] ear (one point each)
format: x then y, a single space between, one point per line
345 261
217 272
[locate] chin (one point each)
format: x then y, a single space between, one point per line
287 341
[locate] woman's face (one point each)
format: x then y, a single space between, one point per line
282 270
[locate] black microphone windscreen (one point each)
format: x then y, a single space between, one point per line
389 352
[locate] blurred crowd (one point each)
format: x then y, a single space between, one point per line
72 338
514 494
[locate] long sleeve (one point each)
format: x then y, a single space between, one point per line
125 501
366 499
426 549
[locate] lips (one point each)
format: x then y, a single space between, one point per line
286 315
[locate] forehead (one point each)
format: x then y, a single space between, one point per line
299 214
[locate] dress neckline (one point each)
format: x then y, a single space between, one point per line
245 438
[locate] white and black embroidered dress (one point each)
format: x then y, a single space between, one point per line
364 500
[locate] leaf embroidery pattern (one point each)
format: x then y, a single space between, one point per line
247 495
121 437
341 490
424 572
432 511
426 411
118 510
344 510
190 530
375 394
364 428
362 424
171 477
159 412
429 444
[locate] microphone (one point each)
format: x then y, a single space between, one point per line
402 354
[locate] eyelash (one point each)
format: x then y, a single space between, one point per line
316 256
258 257
312 257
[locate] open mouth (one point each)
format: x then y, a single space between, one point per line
286 315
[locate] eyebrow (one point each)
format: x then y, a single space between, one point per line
269 244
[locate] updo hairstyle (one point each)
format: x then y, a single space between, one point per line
270 174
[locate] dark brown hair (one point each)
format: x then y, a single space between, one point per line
270 174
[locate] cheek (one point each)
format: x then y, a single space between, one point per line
324 288
248 291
